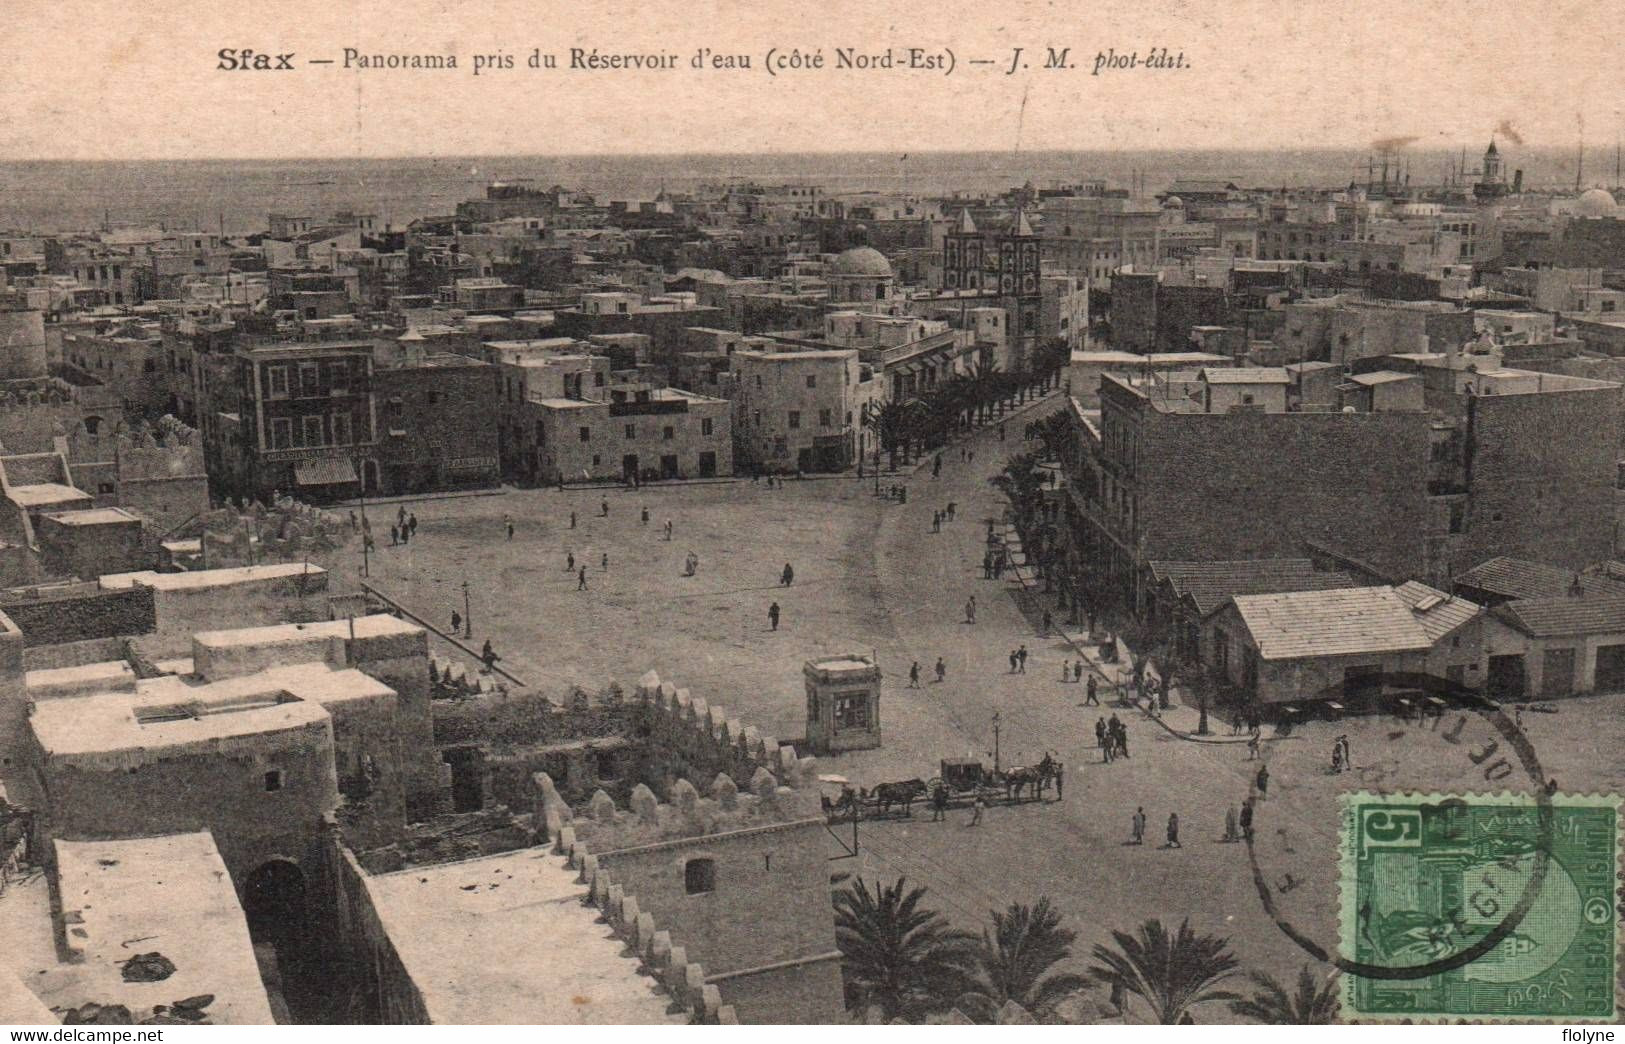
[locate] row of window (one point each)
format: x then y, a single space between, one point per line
667 433
313 430
308 380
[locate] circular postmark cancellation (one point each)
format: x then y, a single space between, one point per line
1467 884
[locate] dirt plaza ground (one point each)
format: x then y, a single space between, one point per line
871 576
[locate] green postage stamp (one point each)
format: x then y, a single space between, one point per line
1479 906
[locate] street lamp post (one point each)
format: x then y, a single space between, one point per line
468 614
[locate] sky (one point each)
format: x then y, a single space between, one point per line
138 79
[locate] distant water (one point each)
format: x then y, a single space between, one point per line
61 196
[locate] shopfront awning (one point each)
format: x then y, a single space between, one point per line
324 472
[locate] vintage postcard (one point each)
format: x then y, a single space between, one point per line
703 513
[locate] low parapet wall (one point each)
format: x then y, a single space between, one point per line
664 959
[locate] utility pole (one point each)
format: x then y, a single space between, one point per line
468 614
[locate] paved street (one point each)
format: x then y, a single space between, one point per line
870 575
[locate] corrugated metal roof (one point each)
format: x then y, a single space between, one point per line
1566 615
1302 624
1522 578
1443 613
1246 375
1211 584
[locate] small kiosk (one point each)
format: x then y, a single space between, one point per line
843 704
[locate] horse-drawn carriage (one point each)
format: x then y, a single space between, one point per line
960 783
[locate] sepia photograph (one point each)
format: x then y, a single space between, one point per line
892 515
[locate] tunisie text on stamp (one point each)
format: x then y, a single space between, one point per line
1481 906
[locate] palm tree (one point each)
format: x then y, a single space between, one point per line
1014 959
895 953
985 379
1021 483
890 423
1170 972
1314 1003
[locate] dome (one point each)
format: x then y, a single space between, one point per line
861 261
1595 203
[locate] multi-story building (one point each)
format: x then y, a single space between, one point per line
802 410
307 422
651 433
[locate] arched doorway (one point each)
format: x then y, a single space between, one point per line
274 902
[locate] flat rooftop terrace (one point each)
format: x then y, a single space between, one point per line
173 894
204 579
44 494
170 714
506 939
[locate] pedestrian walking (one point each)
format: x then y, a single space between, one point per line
581 579
1100 739
1230 833
394 535
987 565
603 508
510 528
1021 660
569 561
1091 696
976 811
412 523
406 534
951 506
1122 739
773 615
1066 671
353 524
1343 741
645 518
914 675
1252 747
603 563
489 656
1077 673
1337 756
572 520
1137 827
936 522
970 609
668 529
1060 784
942 669
1173 830
1013 658
1247 820
1263 779
936 466
400 516
1048 621
939 804
787 577
456 621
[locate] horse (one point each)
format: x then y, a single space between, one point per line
885 795
1036 776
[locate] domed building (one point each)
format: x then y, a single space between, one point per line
861 275
1596 203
